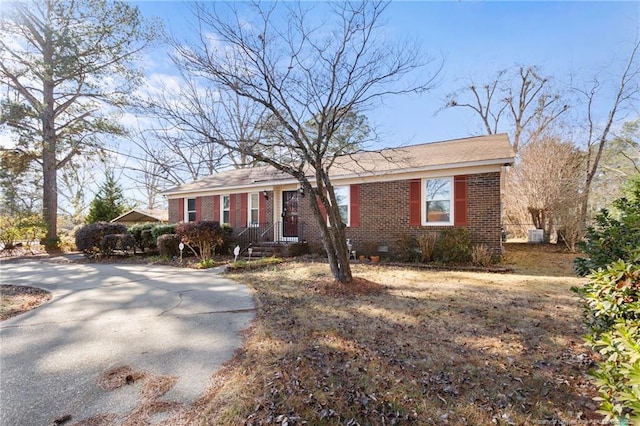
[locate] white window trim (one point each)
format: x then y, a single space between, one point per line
187 211
423 202
348 221
251 207
222 210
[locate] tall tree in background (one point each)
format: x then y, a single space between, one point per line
600 129
520 101
310 67
66 65
620 160
108 203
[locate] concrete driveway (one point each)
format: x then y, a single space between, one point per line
154 322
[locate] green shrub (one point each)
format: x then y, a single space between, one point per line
163 229
89 237
611 302
143 235
408 250
206 264
121 242
201 237
614 236
228 241
168 245
29 229
298 249
453 246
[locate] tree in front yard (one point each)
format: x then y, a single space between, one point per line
310 74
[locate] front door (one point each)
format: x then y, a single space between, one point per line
289 213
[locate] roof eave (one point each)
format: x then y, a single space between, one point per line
269 184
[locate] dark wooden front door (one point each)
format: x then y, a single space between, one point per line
289 213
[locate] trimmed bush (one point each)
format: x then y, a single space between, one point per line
117 242
228 241
168 245
143 235
453 246
89 237
201 237
162 229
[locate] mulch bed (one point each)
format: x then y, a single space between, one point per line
17 299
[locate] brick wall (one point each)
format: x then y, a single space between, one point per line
384 215
174 214
207 208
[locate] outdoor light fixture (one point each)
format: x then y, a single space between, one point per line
266 194
301 191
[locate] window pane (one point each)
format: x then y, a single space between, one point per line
254 216
225 217
225 202
191 204
342 195
192 216
254 201
438 189
344 213
438 200
438 211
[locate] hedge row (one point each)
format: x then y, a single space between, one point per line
201 238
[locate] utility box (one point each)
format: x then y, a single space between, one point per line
536 235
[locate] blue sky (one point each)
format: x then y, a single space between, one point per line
571 41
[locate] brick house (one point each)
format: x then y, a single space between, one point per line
385 196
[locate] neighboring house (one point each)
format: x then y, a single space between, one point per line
385 196
142 216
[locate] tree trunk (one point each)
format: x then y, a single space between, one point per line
49 171
334 242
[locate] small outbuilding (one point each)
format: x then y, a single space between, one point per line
135 216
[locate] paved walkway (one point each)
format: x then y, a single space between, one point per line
156 320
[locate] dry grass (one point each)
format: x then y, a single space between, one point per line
15 299
419 347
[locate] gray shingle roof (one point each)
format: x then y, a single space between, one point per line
481 150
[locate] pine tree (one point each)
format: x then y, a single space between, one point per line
108 203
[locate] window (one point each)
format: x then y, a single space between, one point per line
226 209
254 209
191 210
342 197
438 201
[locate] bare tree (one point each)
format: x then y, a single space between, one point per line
599 129
545 187
521 97
294 66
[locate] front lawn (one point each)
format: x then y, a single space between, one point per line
405 346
